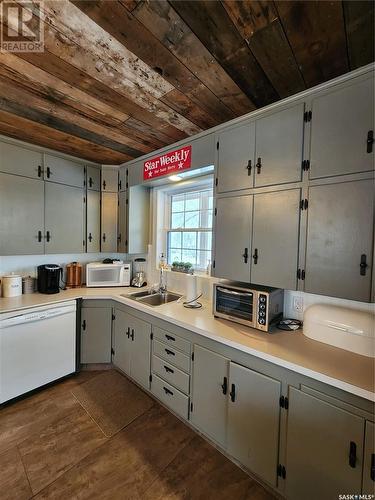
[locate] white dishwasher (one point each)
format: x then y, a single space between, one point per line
37 346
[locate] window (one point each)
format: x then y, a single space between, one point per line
189 234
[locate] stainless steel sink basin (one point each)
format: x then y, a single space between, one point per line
158 299
138 295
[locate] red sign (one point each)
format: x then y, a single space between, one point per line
167 164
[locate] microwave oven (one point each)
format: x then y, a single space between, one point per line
116 274
251 305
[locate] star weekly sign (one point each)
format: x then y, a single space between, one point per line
167 164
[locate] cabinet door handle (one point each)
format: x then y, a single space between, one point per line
232 393
84 324
255 256
90 182
224 385
370 140
48 236
259 165
363 265
167 391
168 370
352 454
132 334
40 171
104 185
128 332
169 337
248 166
245 255
170 353
39 236
103 236
90 237
48 172
372 470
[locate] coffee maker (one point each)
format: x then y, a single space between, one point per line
49 276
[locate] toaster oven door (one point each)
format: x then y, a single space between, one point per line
235 304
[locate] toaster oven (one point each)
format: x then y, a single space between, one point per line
253 305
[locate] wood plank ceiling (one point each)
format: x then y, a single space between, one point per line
121 78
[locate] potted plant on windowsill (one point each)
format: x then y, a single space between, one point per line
182 267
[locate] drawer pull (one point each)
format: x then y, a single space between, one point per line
169 337
170 353
167 391
168 370
352 454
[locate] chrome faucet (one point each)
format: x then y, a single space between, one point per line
162 281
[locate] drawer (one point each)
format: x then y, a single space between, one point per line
171 397
172 340
171 355
171 374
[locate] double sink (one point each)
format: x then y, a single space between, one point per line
153 298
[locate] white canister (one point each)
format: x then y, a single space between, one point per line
12 285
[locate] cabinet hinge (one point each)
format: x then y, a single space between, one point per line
150 378
306 165
304 204
83 243
281 471
284 402
112 351
217 145
84 199
215 212
113 317
216 181
300 274
191 407
307 116
214 264
151 335
119 186
127 201
84 324
192 356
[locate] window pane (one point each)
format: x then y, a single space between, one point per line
178 203
191 219
177 220
204 240
189 256
192 201
206 218
189 240
204 258
175 239
210 202
174 254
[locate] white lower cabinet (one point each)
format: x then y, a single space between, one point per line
253 421
96 335
324 449
369 460
132 347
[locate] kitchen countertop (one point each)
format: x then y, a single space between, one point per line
292 350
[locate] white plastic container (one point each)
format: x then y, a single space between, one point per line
12 285
348 329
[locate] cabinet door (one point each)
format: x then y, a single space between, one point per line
275 238
110 179
369 460
93 221
210 386
122 179
93 178
140 362
138 219
236 150
340 123
339 232
20 161
96 335
320 441
253 421
122 222
63 171
233 238
64 219
109 222
121 341
22 215
279 147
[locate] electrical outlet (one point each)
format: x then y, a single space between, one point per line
298 304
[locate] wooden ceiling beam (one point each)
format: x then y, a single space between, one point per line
41 135
316 33
359 19
211 23
167 26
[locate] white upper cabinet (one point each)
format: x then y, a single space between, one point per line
341 125
122 179
235 158
279 147
93 178
63 171
21 161
110 179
